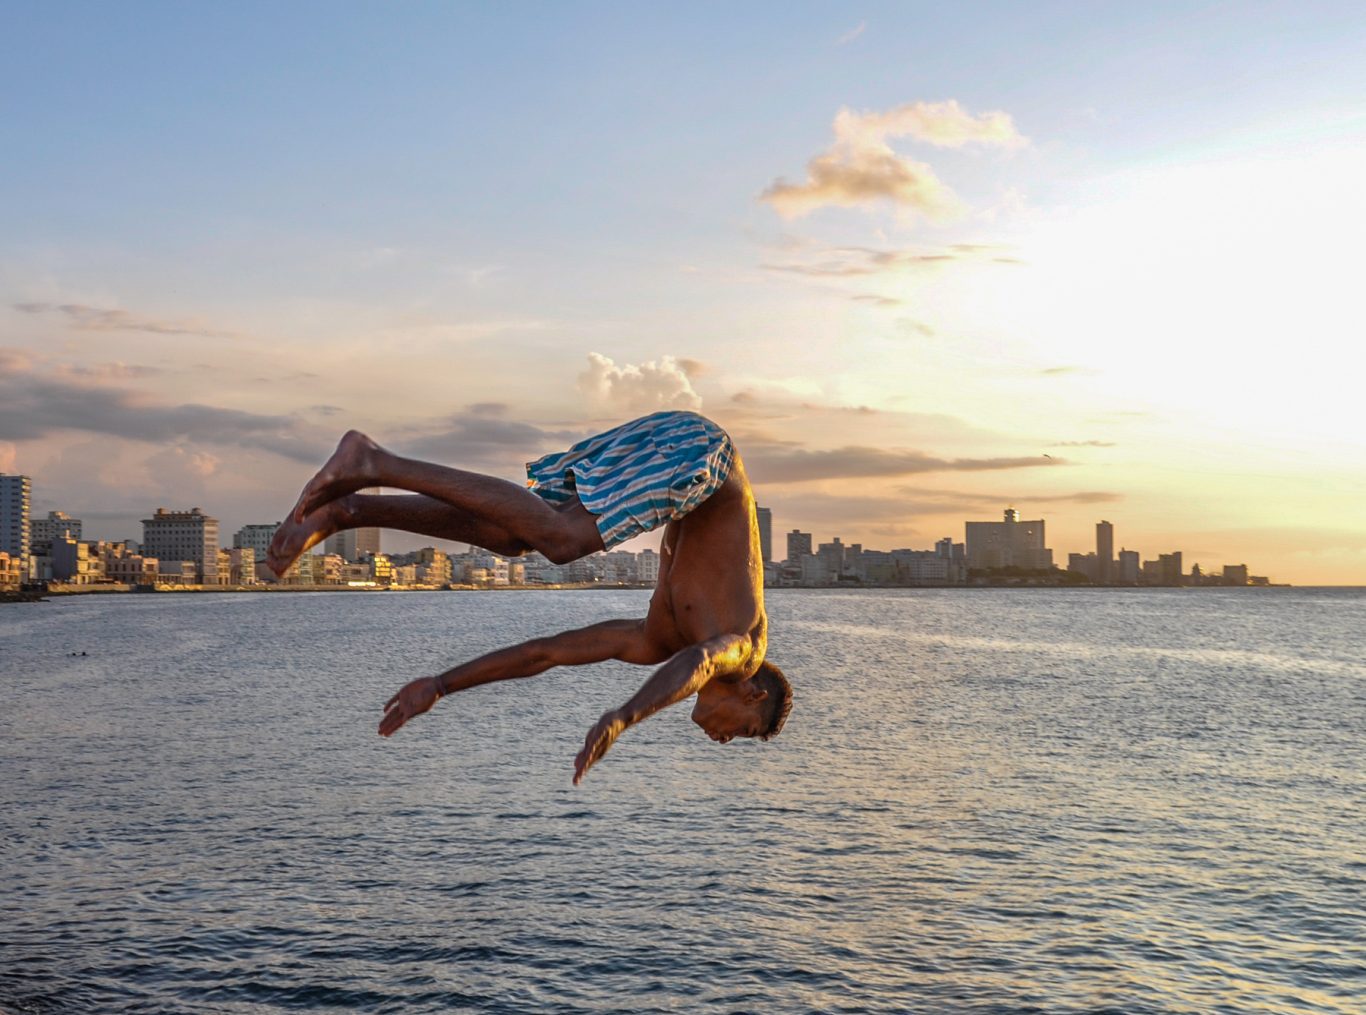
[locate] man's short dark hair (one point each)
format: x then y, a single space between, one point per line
779 700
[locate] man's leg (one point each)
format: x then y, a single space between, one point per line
485 504
415 513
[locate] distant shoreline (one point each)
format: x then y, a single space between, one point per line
35 596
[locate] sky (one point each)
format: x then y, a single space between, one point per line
923 261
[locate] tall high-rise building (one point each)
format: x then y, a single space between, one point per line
765 517
1008 543
1129 567
1105 551
15 532
183 535
798 546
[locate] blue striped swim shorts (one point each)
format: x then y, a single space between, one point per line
640 475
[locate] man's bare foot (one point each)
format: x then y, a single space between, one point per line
294 539
351 468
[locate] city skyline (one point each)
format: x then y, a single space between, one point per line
362 541
1083 261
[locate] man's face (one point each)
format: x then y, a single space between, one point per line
727 711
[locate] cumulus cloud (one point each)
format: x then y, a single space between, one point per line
643 387
88 318
860 167
183 463
772 464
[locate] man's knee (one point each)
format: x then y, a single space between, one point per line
576 535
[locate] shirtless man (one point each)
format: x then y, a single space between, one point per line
706 623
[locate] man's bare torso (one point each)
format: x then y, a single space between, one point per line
695 599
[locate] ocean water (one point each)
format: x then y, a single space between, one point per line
985 801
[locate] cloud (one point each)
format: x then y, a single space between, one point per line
99 372
1083 444
855 262
33 405
943 124
1063 371
478 436
861 168
881 301
182 463
638 388
8 455
87 318
774 464
14 361
852 34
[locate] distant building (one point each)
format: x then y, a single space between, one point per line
1008 543
1087 564
353 544
798 546
123 565
1128 567
74 563
255 538
1105 552
765 517
180 536
42 531
619 567
1169 568
15 532
1235 574
10 576
832 559
647 567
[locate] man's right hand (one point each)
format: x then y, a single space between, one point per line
414 698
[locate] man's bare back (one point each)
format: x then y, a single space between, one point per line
705 629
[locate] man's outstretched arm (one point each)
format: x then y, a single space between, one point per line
686 673
612 639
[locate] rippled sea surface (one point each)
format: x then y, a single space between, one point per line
985 801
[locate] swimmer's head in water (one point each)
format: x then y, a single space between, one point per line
757 707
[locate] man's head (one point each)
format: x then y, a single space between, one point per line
756 707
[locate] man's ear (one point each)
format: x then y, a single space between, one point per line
754 694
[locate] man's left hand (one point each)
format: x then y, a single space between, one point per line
599 740
414 698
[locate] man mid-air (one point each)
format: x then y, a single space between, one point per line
706 622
